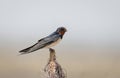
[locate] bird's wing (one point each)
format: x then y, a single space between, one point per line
40 44
48 40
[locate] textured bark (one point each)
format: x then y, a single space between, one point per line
53 68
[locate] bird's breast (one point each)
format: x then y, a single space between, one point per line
54 43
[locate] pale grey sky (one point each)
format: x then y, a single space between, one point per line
87 21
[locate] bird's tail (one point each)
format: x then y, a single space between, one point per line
27 50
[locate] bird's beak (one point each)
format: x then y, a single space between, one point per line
66 30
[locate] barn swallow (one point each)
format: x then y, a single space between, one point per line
46 42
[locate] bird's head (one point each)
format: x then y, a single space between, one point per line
61 30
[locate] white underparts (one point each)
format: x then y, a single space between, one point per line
54 43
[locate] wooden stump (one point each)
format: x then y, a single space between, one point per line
53 69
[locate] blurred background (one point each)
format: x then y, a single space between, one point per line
90 48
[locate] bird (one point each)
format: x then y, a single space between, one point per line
46 42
